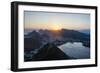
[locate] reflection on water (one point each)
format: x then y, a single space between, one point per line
76 50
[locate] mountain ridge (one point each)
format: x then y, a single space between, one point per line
50 52
35 39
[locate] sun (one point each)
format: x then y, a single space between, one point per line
56 27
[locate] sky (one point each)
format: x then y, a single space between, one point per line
56 20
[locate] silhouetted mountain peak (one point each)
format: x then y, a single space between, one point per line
50 52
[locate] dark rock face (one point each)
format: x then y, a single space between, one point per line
32 41
50 52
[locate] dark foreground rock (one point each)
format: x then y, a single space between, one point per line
50 52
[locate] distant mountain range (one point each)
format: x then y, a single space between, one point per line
36 39
86 31
40 37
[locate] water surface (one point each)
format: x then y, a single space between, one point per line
76 50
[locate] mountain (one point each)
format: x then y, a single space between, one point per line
50 52
32 41
74 35
36 42
37 38
86 31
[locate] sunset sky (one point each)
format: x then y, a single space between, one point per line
56 21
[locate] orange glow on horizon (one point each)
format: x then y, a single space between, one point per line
55 27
